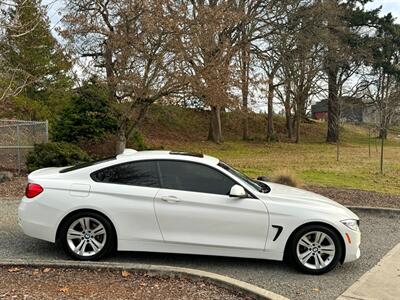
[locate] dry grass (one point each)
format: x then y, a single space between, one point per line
286 177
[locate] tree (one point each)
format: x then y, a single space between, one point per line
130 44
381 85
34 65
344 36
254 26
207 34
87 116
300 58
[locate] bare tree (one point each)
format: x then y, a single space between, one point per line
256 25
130 44
206 41
300 55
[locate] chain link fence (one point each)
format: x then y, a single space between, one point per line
17 138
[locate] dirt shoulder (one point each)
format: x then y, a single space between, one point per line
60 283
15 188
354 197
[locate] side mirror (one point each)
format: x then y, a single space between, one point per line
237 191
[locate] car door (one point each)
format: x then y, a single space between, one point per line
126 191
194 207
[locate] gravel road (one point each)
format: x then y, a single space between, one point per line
380 233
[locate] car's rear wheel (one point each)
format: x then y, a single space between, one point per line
316 249
87 236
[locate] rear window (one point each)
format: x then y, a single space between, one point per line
86 164
138 173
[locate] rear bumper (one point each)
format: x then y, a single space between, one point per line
37 220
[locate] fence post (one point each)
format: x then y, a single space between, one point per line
369 142
18 151
382 142
47 131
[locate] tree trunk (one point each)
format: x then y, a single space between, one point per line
298 120
383 133
215 130
270 124
300 107
333 106
245 110
121 140
289 126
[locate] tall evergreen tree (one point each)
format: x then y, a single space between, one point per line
345 38
40 64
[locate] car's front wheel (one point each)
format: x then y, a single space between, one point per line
316 249
87 236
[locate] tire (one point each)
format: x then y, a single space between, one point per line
87 236
315 249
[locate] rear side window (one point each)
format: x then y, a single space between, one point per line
187 176
141 173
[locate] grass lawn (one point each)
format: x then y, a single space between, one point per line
313 161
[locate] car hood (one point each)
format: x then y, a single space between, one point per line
300 197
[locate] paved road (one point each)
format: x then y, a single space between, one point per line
381 232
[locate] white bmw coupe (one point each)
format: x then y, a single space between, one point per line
180 202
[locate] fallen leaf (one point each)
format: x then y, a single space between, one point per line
125 273
64 290
46 270
12 270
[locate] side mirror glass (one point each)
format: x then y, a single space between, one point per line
237 191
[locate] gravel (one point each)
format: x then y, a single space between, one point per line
60 283
380 233
13 188
358 197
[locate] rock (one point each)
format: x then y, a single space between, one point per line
5 176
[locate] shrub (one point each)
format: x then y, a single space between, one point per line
55 155
86 117
286 177
136 141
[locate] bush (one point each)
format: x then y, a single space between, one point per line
55 155
286 177
136 141
86 117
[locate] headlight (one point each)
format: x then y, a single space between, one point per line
352 224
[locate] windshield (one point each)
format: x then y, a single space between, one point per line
258 185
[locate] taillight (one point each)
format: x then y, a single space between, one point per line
32 190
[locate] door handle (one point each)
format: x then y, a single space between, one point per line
170 199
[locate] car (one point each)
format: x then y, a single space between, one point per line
181 202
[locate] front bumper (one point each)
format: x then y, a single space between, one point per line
352 241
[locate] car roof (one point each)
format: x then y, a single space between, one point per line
130 154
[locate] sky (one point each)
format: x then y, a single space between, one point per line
388 6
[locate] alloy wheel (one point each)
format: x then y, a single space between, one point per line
86 236
315 250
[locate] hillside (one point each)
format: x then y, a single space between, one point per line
313 161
